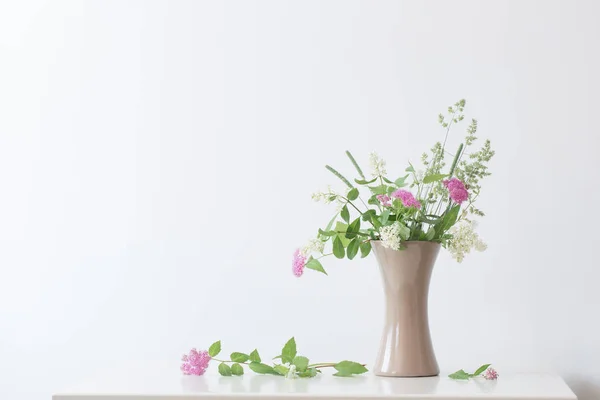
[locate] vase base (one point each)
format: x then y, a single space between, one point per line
392 375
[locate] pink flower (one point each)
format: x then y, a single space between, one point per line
407 198
195 363
490 374
384 199
457 190
298 263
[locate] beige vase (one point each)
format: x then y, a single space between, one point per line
406 349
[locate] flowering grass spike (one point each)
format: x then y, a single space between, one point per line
434 202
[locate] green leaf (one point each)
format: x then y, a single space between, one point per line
239 357
350 367
237 369
430 233
338 247
353 229
461 374
281 369
365 182
448 219
224 369
214 349
254 357
343 374
481 369
309 373
387 180
365 249
381 189
434 178
327 233
316 265
289 351
301 363
330 224
385 215
261 368
400 182
345 214
353 194
353 248
404 231
410 169
341 227
368 215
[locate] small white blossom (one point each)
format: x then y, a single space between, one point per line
291 374
325 197
313 246
390 236
378 165
464 239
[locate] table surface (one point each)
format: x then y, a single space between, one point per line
145 385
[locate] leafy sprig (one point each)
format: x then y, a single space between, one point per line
462 375
290 365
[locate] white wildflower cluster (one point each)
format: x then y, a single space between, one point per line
313 246
378 165
464 239
390 236
325 197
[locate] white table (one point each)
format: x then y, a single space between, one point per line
147 385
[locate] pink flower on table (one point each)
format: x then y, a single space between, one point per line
298 263
407 198
384 200
195 363
490 374
457 190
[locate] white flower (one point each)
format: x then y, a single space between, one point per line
464 239
313 246
325 197
377 165
390 236
291 374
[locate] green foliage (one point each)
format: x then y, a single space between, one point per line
365 249
315 264
349 368
289 351
434 178
463 375
214 349
338 247
353 194
239 357
353 248
289 357
225 369
345 214
301 363
237 369
254 356
261 368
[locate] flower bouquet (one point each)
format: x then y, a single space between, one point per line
434 203
405 220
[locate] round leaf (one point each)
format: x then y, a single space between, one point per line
239 357
214 349
237 369
224 369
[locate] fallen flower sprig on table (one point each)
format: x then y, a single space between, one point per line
291 366
485 370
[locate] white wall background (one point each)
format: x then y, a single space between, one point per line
157 160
